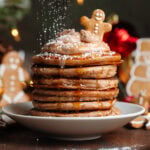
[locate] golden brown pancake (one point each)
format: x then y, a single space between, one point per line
80 72
106 94
73 106
77 60
95 113
85 84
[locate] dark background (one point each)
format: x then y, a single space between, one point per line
136 12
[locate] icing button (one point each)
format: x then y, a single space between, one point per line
96 28
96 25
12 77
12 83
12 89
95 31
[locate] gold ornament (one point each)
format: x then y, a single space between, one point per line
113 18
31 83
80 2
15 33
1 88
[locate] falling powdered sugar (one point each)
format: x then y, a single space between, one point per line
52 21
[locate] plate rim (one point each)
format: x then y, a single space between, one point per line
75 118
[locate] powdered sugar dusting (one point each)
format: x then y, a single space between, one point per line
52 18
71 42
65 57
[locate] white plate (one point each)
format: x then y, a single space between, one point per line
73 128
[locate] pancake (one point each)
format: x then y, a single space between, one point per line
107 94
88 59
74 106
65 99
73 76
62 83
81 72
97 113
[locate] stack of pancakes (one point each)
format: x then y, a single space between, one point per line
74 77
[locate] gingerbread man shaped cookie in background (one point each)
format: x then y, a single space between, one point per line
13 75
95 24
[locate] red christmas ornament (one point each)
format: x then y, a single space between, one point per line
121 41
129 99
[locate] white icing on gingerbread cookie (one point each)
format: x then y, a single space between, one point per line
140 71
12 73
95 24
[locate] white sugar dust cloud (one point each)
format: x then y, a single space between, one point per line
52 18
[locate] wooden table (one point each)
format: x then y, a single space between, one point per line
16 137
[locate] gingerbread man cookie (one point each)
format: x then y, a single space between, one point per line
12 75
140 71
95 24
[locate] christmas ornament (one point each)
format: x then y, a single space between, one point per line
15 34
121 41
80 2
129 99
123 36
1 87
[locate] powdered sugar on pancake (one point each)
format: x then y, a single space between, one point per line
72 48
70 42
85 55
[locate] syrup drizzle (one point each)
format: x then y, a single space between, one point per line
77 106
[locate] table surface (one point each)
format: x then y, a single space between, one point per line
16 137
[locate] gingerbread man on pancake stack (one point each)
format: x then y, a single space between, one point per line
12 75
96 24
74 75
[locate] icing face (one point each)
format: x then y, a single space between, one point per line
144 57
14 61
13 66
98 15
12 58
